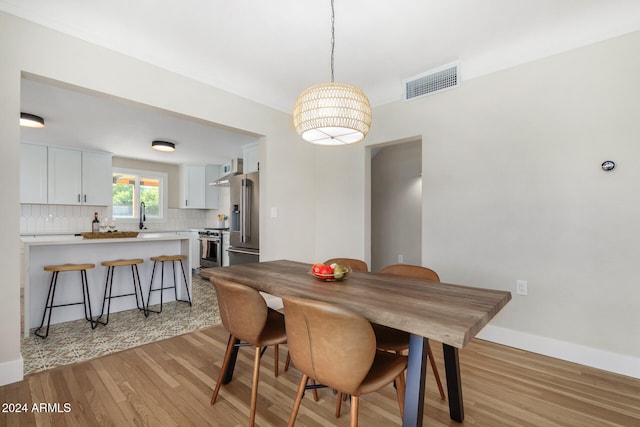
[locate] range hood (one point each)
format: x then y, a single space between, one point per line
228 170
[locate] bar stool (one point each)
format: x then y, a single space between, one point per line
162 259
108 286
86 301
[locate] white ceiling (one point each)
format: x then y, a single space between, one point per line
269 51
79 118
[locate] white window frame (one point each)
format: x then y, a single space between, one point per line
163 179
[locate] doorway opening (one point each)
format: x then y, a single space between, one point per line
396 204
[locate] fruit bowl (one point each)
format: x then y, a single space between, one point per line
332 277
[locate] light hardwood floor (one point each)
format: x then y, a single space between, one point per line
169 383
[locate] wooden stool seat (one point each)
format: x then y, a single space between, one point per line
69 267
49 305
122 262
108 286
162 259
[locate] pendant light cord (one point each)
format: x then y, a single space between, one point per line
333 38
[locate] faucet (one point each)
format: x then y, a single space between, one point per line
143 216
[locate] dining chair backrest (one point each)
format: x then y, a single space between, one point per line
242 309
331 344
393 340
412 271
246 317
355 264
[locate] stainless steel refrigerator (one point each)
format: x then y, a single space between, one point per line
244 230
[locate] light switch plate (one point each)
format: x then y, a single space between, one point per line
522 287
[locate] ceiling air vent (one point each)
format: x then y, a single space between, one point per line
432 81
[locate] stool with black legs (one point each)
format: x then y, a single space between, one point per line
49 305
108 286
162 259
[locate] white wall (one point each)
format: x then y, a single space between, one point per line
513 189
296 177
338 194
512 184
11 365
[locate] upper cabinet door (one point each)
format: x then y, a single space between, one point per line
97 178
195 191
79 178
33 173
251 158
193 180
64 176
211 173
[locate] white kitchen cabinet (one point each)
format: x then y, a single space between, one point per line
195 250
251 158
33 173
64 176
211 173
195 191
225 248
194 244
78 177
97 178
192 186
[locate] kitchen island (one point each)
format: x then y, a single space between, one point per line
41 251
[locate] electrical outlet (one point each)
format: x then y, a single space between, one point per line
522 287
400 259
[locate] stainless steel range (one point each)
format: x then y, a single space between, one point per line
211 247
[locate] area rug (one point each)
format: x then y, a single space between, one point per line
75 341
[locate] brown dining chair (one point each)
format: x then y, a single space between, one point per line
245 316
391 339
355 264
337 348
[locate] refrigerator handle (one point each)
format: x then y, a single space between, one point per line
245 226
248 208
243 209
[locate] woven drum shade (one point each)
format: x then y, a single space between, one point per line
332 114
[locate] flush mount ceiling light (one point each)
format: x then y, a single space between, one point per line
163 146
332 113
31 120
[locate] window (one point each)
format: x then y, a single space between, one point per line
132 187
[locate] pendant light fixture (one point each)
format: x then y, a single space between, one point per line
163 146
31 120
332 113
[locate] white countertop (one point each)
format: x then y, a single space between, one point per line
77 234
79 240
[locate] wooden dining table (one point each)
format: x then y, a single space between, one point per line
446 313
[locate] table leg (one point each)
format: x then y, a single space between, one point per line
416 375
454 385
228 376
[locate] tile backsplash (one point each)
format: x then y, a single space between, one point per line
77 219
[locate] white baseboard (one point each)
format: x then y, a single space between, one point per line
11 371
589 356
